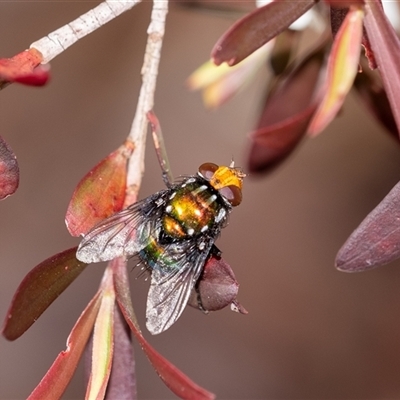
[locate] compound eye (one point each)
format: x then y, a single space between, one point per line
232 194
207 170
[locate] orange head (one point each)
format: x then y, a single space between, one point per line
227 180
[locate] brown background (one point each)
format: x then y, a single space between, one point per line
312 332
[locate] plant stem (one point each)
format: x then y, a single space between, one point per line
56 42
145 103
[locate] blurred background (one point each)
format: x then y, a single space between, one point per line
312 332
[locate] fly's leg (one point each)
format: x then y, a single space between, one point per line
161 151
215 252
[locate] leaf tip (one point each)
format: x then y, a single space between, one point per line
215 59
341 264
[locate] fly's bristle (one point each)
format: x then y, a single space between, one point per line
142 270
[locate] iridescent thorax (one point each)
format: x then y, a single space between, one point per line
191 210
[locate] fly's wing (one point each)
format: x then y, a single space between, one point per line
170 287
123 234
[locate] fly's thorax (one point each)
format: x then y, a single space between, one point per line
193 208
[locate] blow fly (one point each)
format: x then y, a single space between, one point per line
172 233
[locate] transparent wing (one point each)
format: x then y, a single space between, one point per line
123 234
170 289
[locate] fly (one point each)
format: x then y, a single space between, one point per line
172 233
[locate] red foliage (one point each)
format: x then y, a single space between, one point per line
9 170
57 378
377 240
24 68
256 29
39 289
287 112
176 380
100 193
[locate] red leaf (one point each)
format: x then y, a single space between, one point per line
38 77
286 115
9 170
122 383
271 145
220 83
386 47
57 378
377 240
256 29
177 382
39 289
103 340
344 3
100 193
24 68
337 17
217 286
369 54
342 69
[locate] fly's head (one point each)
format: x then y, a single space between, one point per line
226 180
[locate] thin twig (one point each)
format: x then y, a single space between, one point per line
56 42
160 148
145 103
